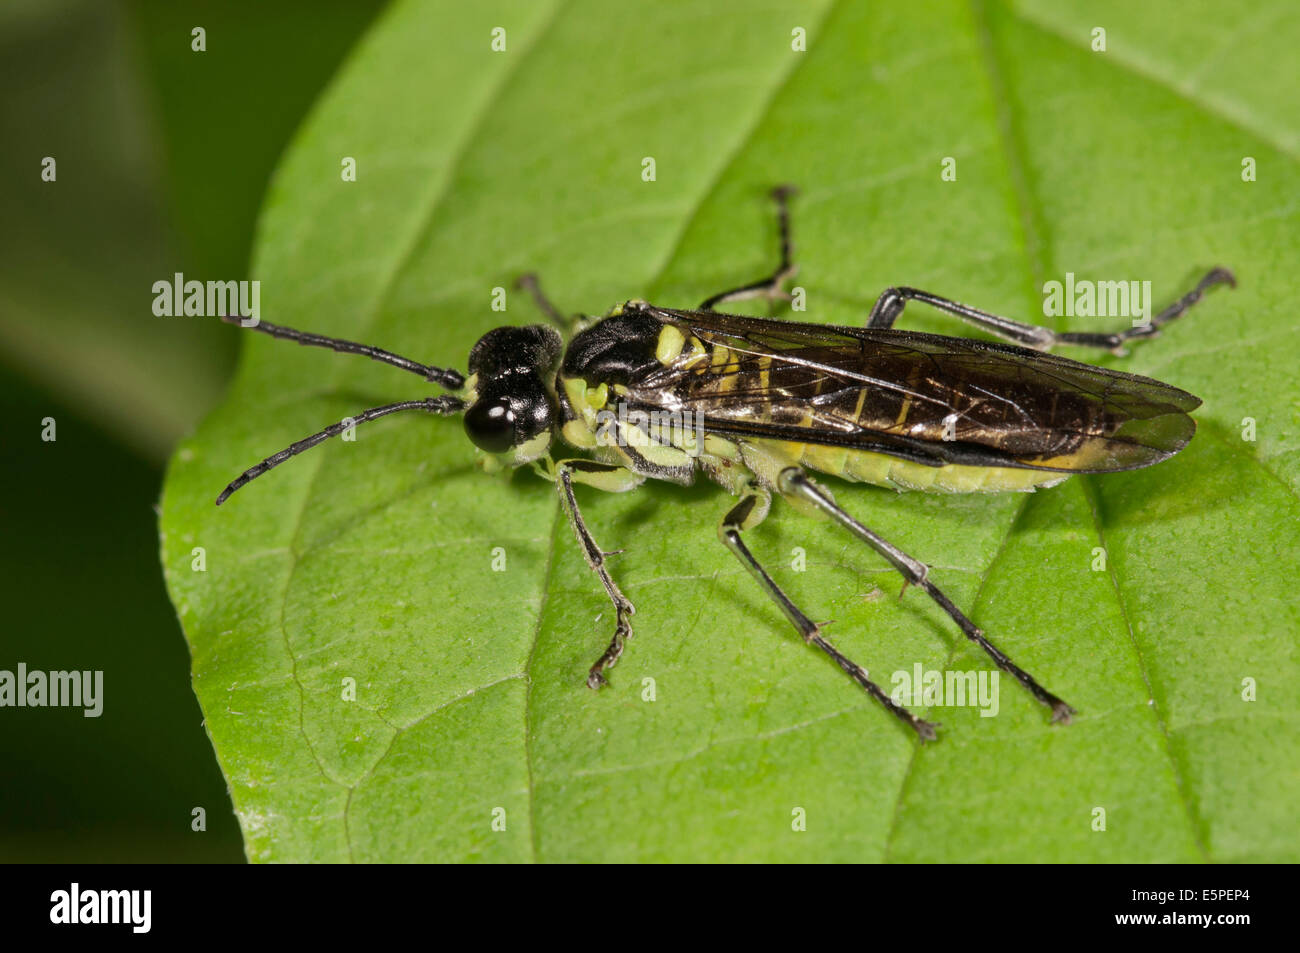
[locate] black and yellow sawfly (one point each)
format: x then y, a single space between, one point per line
648 392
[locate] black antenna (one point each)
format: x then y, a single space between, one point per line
433 405
448 378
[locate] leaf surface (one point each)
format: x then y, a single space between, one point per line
373 560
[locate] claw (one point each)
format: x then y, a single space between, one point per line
1061 712
927 730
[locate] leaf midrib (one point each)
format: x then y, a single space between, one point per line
730 154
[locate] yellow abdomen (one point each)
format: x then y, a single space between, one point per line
884 470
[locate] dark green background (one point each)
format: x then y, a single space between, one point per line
163 155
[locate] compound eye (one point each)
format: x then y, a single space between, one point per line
490 424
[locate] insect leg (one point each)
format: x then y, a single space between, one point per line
793 482
530 284
889 306
748 513
769 287
611 477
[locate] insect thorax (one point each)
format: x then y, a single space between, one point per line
607 365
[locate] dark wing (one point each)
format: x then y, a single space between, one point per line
925 397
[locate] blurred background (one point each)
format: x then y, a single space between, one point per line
163 154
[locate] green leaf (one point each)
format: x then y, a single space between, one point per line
372 560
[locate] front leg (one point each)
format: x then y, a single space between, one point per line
770 286
613 478
567 326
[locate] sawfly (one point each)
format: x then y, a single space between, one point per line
648 392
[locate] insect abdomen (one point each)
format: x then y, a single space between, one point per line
883 470
768 457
